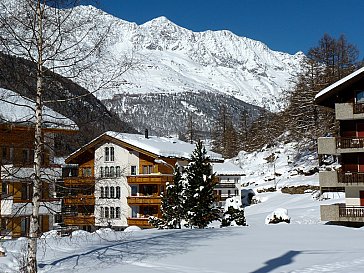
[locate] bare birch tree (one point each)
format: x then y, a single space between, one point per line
53 35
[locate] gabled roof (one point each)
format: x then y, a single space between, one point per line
19 110
154 146
227 168
326 94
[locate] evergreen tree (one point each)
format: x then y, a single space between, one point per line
233 216
199 196
173 202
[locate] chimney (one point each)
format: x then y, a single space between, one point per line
146 133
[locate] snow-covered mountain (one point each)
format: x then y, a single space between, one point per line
173 59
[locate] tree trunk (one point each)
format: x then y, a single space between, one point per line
37 181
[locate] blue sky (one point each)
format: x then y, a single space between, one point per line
284 25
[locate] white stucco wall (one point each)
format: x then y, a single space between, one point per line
9 208
352 195
125 160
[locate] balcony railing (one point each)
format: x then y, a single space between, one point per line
140 222
349 143
351 177
79 200
144 200
150 179
358 108
79 220
225 185
78 181
355 212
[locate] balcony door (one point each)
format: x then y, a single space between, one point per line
362 198
360 130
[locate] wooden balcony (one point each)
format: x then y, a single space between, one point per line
140 222
358 108
226 185
150 179
351 178
78 181
79 200
144 200
79 220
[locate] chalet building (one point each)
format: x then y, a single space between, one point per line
347 98
116 180
17 155
229 182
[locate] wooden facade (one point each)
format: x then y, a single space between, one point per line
77 192
17 156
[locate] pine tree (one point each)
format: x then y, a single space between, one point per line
172 202
199 196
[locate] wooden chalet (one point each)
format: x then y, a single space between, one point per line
17 155
116 180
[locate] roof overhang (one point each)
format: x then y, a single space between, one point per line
327 97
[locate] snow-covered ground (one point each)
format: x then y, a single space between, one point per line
304 245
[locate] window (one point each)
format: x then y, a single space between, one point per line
117 214
118 192
133 170
102 212
4 153
26 191
106 192
134 190
107 172
26 155
102 193
112 172
118 173
112 157
11 154
4 188
112 192
107 212
360 96
147 169
112 212
106 153
87 172
229 193
101 172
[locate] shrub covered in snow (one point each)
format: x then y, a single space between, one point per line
278 216
233 213
132 229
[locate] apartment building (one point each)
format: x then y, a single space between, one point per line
346 96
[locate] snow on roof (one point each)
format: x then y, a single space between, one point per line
338 83
17 109
227 168
161 146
